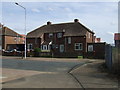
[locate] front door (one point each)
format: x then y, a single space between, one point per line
61 48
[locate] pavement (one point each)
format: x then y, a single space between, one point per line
90 76
60 73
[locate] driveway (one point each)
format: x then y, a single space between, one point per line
19 73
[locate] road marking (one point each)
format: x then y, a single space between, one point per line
2 77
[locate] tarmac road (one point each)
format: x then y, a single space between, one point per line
39 74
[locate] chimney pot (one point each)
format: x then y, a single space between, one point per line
49 23
76 20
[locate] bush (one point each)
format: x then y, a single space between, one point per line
80 57
37 52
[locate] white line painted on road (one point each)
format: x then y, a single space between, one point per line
2 77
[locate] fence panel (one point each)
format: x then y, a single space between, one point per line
108 56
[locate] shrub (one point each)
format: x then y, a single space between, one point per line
37 50
80 57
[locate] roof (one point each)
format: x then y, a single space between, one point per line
9 32
117 36
69 29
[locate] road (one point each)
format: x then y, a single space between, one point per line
39 74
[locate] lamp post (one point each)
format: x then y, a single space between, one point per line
25 25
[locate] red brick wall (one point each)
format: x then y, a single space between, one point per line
71 47
89 39
36 42
10 40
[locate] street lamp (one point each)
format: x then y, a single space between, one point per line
25 25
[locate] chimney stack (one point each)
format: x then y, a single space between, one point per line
49 23
76 20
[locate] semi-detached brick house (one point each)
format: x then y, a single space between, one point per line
64 39
11 39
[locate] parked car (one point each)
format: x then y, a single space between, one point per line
12 52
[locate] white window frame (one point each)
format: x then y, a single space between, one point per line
90 48
50 35
30 46
89 35
44 47
69 40
15 39
80 45
0 47
19 39
59 35
61 48
48 47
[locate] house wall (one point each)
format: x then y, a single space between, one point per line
76 39
55 41
36 42
11 40
89 37
68 48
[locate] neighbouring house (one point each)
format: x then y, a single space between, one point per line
117 39
97 40
61 40
11 39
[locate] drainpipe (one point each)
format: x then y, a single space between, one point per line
65 44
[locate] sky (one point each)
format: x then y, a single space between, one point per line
101 17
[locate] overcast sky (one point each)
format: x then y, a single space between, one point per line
101 17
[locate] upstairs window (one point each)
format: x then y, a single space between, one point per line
78 46
59 35
89 35
69 40
50 35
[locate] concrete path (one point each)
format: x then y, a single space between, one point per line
90 76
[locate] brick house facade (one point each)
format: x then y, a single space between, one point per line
117 39
64 39
10 39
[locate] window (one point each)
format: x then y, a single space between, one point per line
59 35
89 35
78 46
69 40
19 39
90 48
44 47
0 47
50 35
61 48
29 46
15 38
48 47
